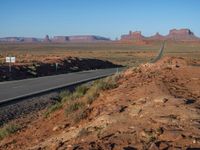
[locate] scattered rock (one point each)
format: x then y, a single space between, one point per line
153 147
56 128
160 100
163 146
189 101
171 135
122 108
57 145
134 110
129 148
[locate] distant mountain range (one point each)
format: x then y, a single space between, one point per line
174 34
55 39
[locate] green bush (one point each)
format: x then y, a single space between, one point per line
7 130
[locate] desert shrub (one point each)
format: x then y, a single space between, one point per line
91 95
64 94
80 115
74 107
53 108
67 98
106 84
83 132
80 91
7 130
102 84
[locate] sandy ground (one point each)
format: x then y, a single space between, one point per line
155 106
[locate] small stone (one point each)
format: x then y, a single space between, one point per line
65 126
153 147
163 145
194 141
56 128
160 100
132 127
171 136
69 146
57 145
135 110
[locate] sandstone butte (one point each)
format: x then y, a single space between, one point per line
174 34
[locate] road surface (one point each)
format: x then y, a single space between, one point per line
160 53
13 90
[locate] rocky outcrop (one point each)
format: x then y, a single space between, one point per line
174 34
157 36
19 39
137 35
56 39
182 34
47 39
79 38
60 39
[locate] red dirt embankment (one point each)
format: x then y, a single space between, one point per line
155 106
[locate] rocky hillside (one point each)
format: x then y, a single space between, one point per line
154 106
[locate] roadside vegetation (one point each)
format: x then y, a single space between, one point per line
8 130
76 103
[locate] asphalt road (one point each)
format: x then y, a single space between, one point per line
160 53
12 90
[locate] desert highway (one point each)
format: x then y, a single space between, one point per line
12 90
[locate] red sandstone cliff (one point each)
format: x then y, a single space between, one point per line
174 34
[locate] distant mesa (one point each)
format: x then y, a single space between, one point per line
56 39
20 39
137 35
79 38
157 36
182 34
47 39
174 34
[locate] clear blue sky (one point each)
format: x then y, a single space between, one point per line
110 18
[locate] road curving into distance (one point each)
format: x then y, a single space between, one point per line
160 53
15 90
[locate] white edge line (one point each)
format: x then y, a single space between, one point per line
56 87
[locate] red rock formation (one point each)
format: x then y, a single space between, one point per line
47 39
174 34
157 36
133 36
79 38
60 39
182 34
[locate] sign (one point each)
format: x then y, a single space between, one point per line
10 59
